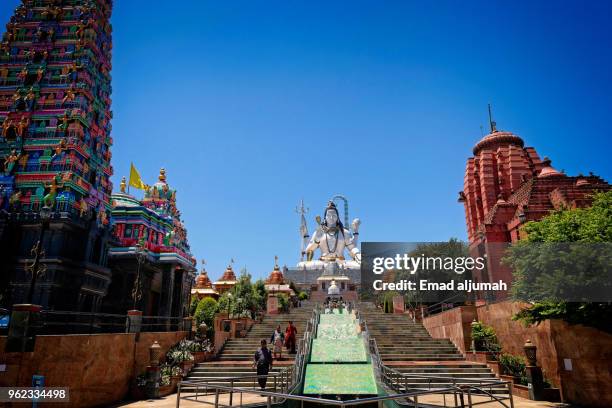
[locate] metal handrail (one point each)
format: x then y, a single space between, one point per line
290 377
390 377
396 379
281 397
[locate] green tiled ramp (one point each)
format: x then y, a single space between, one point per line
336 331
340 379
350 350
336 318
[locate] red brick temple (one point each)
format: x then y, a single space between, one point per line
203 286
507 184
227 281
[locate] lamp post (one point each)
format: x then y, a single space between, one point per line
229 305
530 352
37 268
474 324
141 255
238 303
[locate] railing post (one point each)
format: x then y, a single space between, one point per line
469 392
269 402
510 395
231 396
216 397
178 395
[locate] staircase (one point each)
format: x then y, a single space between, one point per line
236 357
407 347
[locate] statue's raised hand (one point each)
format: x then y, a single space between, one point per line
355 225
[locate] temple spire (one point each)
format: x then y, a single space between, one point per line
492 123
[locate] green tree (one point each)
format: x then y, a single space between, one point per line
205 312
260 295
193 305
283 302
243 301
227 305
566 252
451 250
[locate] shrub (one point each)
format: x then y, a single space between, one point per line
193 305
205 312
514 366
303 296
484 338
283 302
176 356
387 301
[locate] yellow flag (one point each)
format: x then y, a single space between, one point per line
135 180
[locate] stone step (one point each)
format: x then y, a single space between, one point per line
424 350
245 384
418 347
238 365
456 375
402 330
443 370
420 358
230 372
498 390
442 365
415 343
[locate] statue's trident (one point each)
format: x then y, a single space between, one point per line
301 210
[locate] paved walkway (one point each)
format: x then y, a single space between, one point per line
170 402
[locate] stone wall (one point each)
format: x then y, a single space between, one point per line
98 368
453 324
512 335
589 382
588 350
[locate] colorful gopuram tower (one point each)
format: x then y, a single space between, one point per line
149 251
507 184
55 86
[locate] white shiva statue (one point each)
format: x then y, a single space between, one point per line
332 238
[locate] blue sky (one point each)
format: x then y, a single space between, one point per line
251 106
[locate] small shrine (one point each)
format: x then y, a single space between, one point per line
276 282
227 281
203 287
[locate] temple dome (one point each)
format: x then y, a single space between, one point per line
498 138
548 170
228 275
124 200
276 276
203 281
